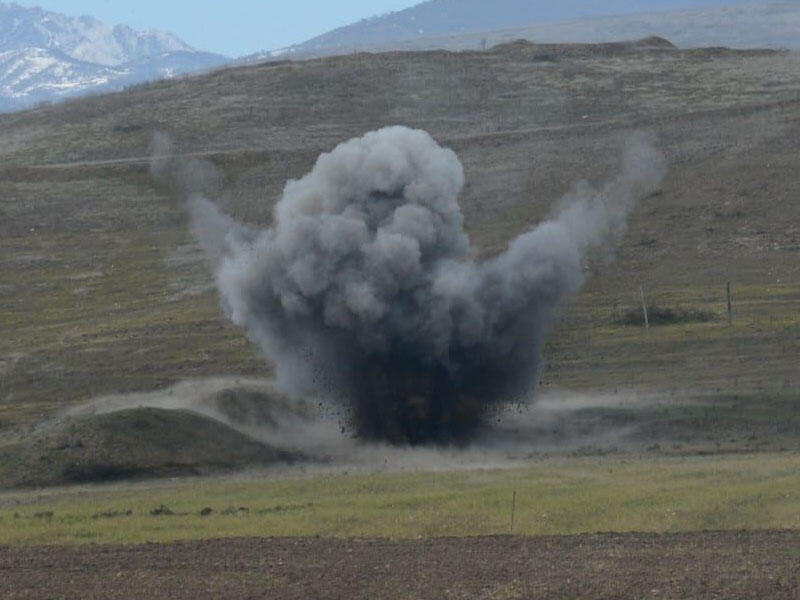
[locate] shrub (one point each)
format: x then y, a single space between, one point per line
660 315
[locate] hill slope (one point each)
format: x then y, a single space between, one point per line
104 290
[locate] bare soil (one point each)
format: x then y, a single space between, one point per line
730 565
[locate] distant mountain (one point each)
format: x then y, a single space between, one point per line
447 17
48 56
774 24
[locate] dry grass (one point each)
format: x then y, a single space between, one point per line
553 497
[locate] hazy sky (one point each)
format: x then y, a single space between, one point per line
231 27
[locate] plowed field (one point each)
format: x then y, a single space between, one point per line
725 565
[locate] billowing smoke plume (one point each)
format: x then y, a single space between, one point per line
365 290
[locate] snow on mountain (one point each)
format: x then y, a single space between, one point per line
39 72
48 56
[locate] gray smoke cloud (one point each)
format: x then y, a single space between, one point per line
365 290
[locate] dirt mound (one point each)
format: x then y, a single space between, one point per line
240 403
137 442
654 41
724 52
552 51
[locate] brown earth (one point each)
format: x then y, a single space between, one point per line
728 565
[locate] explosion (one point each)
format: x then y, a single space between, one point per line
365 290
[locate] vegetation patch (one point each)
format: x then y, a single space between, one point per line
664 315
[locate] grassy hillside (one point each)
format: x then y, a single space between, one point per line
102 288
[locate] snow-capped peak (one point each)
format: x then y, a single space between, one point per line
82 38
46 55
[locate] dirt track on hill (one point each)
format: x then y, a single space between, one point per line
726 565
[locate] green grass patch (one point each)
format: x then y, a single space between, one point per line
565 496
